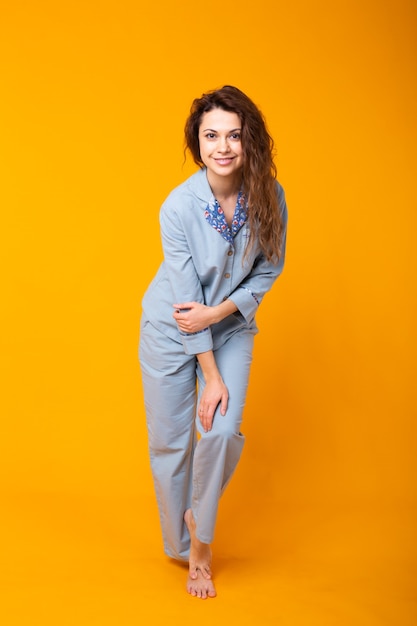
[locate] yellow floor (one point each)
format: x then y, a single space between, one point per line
84 560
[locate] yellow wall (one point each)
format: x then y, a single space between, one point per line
94 97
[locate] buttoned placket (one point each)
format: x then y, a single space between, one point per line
227 276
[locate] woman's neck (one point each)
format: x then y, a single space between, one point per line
224 187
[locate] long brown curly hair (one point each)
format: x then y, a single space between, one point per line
259 171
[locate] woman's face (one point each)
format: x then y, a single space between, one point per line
220 143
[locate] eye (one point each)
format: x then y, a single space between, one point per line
210 136
235 136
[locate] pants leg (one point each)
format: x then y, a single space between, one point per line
169 385
218 451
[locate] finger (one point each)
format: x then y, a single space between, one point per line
184 305
208 419
206 422
224 403
202 414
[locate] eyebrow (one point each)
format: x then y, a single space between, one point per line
216 131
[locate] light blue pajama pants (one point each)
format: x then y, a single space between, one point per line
190 470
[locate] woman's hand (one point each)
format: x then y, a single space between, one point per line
215 393
193 316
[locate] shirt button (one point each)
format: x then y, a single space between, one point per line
227 275
230 253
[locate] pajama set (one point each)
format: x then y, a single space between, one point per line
203 262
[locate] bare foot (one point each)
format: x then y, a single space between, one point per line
199 583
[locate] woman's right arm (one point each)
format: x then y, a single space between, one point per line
186 286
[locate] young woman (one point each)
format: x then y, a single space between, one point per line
223 235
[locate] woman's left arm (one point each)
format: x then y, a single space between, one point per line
192 317
249 293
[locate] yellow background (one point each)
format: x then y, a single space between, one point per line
317 526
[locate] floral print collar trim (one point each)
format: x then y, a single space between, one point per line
215 217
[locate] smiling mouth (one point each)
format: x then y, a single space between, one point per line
224 161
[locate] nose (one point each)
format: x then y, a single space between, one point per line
223 145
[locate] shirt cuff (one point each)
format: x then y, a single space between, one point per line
246 301
194 343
